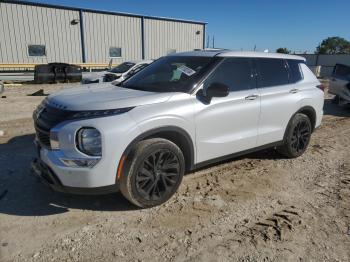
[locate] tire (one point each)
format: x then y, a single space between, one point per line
297 136
152 173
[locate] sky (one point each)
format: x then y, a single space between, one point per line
299 25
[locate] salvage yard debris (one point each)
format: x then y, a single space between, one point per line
40 92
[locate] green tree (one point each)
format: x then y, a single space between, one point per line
333 45
283 50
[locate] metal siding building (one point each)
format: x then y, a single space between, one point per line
162 37
76 35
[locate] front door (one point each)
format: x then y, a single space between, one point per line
227 125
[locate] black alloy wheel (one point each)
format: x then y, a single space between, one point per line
297 136
152 172
159 172
301 136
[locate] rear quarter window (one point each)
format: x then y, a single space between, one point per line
295 74
271 72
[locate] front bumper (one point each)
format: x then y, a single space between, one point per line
48 177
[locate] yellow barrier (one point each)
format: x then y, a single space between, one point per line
31 66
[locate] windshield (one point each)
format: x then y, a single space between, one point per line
170 74
122 68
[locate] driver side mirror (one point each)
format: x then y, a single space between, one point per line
217 90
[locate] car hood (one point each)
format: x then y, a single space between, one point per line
103 96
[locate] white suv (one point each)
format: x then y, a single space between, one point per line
181 112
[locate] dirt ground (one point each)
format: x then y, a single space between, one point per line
259 207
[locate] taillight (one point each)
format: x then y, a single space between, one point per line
322 87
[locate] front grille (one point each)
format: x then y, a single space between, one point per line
46 117
43 137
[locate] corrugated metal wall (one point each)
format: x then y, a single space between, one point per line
327 62
103 31
21 25
164 36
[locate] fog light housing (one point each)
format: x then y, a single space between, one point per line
80 162
89 141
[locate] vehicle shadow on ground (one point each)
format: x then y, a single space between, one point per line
23 194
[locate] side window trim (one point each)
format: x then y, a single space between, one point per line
290 71
286 66
301 74
200 83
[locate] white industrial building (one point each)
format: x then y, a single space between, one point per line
40 33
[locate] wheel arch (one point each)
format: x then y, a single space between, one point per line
309 111
174 134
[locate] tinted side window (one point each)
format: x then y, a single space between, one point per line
271 72
295 74
236 73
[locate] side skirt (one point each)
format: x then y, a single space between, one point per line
235 155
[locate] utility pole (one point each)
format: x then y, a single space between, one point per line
213 41
208 40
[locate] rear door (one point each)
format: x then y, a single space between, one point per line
229 124
280 96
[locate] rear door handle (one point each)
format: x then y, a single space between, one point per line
293 91
251 97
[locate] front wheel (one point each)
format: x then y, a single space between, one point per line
297 136
153 172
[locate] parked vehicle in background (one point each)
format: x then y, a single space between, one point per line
120 72
131 72
339 85
183 111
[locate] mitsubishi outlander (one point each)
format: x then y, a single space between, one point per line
181 112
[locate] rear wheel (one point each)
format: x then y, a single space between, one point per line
297 136
153 172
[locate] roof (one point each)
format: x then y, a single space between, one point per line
259 54
206 53
229 53
101 11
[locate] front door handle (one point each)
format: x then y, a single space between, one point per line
251 97
293 91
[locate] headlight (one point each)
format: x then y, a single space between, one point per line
89 141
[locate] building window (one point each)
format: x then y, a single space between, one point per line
36 50
115 52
